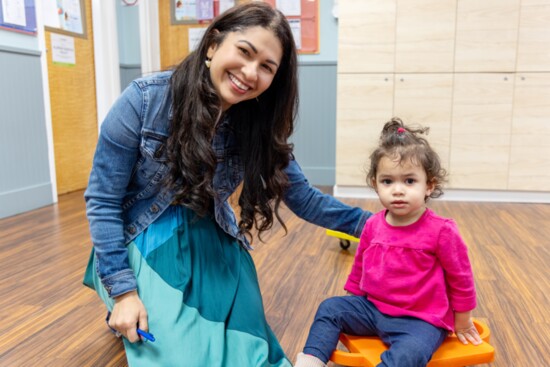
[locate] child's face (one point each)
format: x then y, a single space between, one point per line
402 188
244 64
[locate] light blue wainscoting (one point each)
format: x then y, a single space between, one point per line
25 182
315 131
128 73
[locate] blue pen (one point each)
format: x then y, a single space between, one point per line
146 335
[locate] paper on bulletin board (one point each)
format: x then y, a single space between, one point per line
307 13
18 16
185 10
296 27
64 15
289 7
205 9
63 50
226 4
195 36
14 12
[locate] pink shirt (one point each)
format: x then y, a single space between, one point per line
420 270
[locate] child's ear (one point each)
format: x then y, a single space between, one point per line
430 186
373 184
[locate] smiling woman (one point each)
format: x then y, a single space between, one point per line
244 65
170 256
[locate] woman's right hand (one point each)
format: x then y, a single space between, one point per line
128 313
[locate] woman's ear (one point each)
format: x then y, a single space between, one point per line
211 50
213 46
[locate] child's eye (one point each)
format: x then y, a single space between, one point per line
386 181
409 181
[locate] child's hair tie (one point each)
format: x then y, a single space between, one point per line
401 130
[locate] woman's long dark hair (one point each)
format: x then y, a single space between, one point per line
262 126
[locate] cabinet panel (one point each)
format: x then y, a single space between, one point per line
366 36
425 36
481 131
530 148
534 36
426 99
365 103
486 35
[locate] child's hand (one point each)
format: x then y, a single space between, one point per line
467 332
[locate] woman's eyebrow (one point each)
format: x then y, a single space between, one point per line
256 51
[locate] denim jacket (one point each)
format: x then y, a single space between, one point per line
125 192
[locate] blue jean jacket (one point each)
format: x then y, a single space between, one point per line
125 192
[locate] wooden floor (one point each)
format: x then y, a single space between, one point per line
47 318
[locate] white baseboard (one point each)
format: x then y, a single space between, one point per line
456 195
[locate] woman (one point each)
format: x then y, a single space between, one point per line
170 256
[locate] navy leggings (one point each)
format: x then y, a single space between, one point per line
411 341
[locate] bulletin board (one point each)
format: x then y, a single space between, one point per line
305 25
18 16
303 16
65 16
193 11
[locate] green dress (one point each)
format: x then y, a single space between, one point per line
202 297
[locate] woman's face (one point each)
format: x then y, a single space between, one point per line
244 64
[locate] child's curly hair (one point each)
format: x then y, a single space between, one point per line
403 143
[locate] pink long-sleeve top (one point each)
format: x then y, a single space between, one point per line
420 270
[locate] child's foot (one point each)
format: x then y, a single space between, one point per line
307 360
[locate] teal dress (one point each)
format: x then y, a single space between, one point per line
202 297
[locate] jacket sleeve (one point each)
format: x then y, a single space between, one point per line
324 210
115 157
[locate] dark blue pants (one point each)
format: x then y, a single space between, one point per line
411 341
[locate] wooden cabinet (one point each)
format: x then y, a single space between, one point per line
477 73
426 99
534 36
486 35
481 131
530 138
366 36
362 105
425 32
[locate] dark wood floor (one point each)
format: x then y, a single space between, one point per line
47 318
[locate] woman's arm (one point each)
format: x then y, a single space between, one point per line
115 157
324 210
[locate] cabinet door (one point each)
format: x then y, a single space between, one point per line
481 131
364 104
530 150
486 35
534 36
366 36
426 99
425 36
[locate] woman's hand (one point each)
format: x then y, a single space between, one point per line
127 314
465 330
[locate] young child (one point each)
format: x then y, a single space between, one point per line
411 282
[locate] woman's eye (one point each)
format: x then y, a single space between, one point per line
244 51
268 68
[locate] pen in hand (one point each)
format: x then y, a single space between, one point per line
146 335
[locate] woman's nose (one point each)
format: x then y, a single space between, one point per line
250 71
